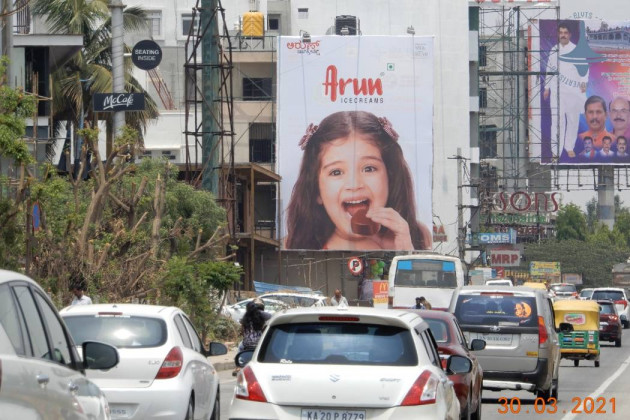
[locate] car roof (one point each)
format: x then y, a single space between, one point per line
312 295
125 308
520 290
366 314
6 275
431 314
609 288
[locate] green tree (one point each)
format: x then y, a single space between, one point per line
594 263
15 107
571 223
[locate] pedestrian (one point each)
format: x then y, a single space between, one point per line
338 299
78 290
252 325
419 304
425 302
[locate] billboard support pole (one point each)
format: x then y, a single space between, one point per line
606 196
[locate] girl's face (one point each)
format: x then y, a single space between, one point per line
352 176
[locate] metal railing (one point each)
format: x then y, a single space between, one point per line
251 43
22 17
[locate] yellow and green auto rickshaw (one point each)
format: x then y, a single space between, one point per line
578 325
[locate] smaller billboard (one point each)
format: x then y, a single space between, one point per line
505 257
544 268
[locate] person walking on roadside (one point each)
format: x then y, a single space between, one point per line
338 299
78 290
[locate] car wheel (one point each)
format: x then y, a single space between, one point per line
216 411
576 363
190 412
618 342
545 394
477 414
466 415
596 363
554 389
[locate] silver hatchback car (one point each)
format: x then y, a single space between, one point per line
41 374
517 323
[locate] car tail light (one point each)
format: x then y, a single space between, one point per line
622 302
542 331
613 318
172 365
575 295
339 318
423 391
248 387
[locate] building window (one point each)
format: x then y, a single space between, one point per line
155 23
262 143
483 98
273 22
256 88
167 154
483 56
488 141
187 22
303 13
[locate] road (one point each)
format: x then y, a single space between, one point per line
604 386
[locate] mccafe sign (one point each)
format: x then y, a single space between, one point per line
112 102
522 201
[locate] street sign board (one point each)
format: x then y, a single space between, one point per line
146 54
112 102
355 265
544 268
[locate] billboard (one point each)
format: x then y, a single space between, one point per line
355 146
584 107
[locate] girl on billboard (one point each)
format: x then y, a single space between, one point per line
354 190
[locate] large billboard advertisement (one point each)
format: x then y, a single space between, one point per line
355 146
585 108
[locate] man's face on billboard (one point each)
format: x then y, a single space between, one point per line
596 117
588 144
564 36
621 145
619 114
352 176
606 144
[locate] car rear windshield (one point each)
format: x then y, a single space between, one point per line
607 295
497 309
119 331
564 288
606 308
339 343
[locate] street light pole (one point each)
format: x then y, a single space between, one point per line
118 71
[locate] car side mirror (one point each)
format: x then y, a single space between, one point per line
458 364
565 327
98 355
242 358
215 349
478 344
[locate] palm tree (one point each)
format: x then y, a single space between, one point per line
90 70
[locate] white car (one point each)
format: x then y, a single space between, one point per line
163 372
499 282
40 370
237 310
295 300
617 295
346 363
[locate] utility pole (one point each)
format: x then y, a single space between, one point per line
461 229
118 71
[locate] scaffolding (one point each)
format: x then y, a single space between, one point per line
209 106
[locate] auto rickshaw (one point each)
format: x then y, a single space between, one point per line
578 325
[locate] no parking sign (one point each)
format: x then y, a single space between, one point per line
355 265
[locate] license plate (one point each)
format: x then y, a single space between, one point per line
318 414
120 412
603 324
497 339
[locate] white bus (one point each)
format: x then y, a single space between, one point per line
431 275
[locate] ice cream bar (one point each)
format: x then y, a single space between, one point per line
361 225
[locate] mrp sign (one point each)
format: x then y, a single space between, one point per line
505 257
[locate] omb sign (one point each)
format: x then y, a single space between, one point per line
146 54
